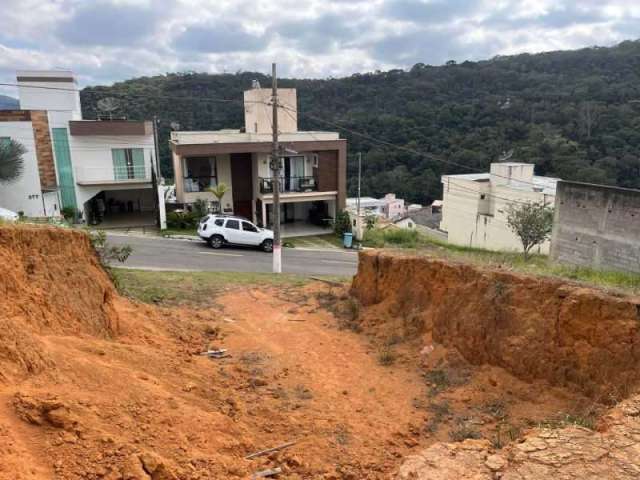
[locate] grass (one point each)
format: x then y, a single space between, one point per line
463 432
329 240
392 237
386 356
180 288
180 231
536 265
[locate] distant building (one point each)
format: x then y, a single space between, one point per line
368 206
388 207
89 166
597 226
474 211
313 167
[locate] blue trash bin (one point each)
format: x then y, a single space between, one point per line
348 240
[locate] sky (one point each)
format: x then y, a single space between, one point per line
104 41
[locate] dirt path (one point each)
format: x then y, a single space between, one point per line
336 399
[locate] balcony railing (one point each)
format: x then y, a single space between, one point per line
111 174
289 184
199 183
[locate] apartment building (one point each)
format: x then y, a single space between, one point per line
313 165
101 169
475 206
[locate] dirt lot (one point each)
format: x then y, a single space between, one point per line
97 386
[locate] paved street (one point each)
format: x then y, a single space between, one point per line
169 254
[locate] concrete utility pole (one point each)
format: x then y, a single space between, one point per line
358 219
275 180
155 172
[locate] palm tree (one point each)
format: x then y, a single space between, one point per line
11 161
219 190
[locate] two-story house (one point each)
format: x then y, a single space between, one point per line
100 169
313 173
476 205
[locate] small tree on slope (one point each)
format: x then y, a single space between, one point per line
11 162
531 222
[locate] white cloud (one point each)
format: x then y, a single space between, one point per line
110 40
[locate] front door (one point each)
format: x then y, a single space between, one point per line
241 177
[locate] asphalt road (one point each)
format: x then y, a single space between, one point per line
172 254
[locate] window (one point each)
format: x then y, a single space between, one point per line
128 163
247 227
199 173
219 222
482 196
233 224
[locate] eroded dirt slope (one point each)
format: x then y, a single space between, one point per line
96 386
535 328
559 338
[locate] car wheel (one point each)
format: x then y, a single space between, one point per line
267 245
216 241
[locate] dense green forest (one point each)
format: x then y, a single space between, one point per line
575 114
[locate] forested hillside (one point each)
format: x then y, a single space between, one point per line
575 114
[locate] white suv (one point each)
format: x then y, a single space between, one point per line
218 230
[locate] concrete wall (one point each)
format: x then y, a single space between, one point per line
25 193
258 114
597 226
38 93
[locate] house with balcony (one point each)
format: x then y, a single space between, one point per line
101 169
313 166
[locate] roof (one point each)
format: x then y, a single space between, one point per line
546 184
237 136
109 127
365 202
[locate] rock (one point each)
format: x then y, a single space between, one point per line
156 466
495 462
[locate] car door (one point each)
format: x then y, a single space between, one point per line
250 234
232 232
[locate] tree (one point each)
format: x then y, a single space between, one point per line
531 222
11 161
218 191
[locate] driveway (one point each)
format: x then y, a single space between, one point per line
172 254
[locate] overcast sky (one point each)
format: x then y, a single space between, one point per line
108 40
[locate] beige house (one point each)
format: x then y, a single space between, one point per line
474 211
313 167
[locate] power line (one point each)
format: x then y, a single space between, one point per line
286 108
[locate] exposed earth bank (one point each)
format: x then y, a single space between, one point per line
539 330
428 371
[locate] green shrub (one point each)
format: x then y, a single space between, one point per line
199 208
69 213
393 237
342 223
182 220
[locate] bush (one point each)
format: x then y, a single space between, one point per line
69 213
199 208
342 223
182 220
395 237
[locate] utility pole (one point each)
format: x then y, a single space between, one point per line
359 220
275 169
155 172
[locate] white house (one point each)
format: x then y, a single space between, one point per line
101 169
474 211
389 206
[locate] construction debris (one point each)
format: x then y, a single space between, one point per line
221 353
267 473
270 450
